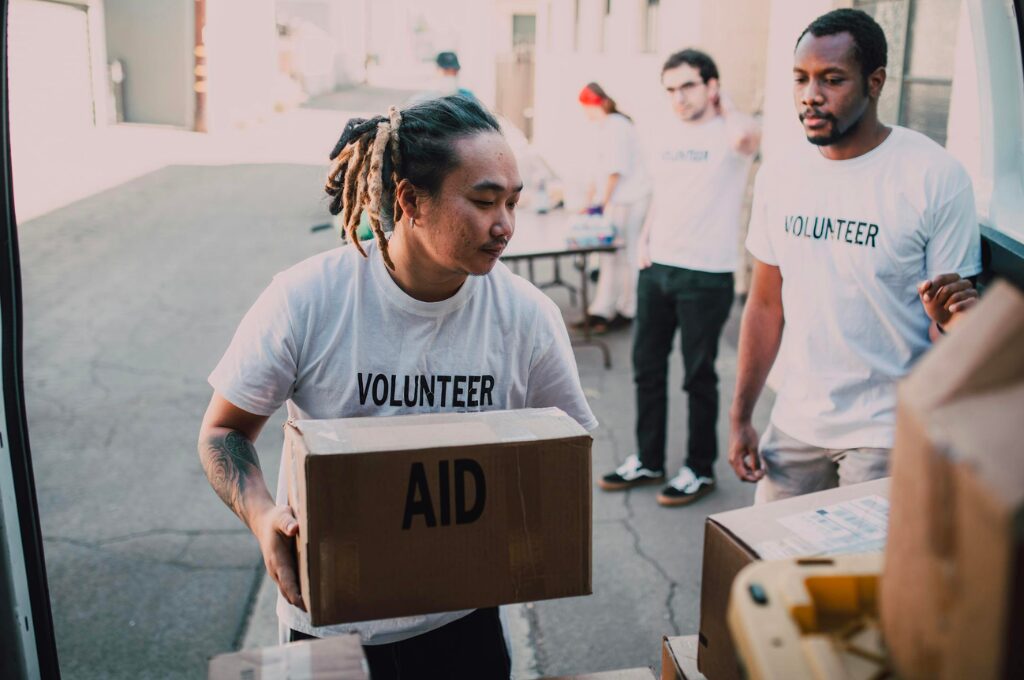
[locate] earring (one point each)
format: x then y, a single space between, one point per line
412 222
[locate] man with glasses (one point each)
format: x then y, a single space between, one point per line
688 251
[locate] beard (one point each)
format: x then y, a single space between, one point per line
837 131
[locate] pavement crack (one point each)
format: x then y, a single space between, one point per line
535 638
250 606
177 563
190 533
673 586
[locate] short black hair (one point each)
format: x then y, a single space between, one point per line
869 46
448 60
695 58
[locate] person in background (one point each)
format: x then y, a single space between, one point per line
448 67
620 190
863 241
688 251
430 301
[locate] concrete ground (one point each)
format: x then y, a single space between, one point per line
130 296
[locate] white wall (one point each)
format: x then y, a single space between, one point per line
477 30
241 47
609 53
781 126
345 24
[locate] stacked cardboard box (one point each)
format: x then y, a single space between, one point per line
409 515
734 539
953 585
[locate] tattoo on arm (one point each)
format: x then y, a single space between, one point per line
230 462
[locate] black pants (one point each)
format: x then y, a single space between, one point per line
698 304
472 647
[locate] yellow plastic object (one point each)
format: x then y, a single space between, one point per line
810 619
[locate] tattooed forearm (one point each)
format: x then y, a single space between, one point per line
230 463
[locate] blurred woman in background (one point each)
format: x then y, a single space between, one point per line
620 189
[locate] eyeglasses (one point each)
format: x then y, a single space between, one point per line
688 86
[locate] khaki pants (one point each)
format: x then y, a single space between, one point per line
793 468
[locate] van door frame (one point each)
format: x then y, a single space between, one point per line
26 631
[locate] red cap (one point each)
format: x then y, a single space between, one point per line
590 98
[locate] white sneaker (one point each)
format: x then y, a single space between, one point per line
631 473
685 488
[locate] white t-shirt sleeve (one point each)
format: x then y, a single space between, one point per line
554 379
954 244
258 371
758 241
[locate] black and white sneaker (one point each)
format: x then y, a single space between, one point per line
631 473
685 488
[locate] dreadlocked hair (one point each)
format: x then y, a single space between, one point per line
374 155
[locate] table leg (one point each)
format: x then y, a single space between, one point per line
557 280
588 338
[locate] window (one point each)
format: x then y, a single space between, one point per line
576 26
649 26
524 29
602 43
921 37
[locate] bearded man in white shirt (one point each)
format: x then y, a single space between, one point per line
864 241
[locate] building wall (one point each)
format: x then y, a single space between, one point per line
345 23
241 47
154 40
611 50
404 39
788 18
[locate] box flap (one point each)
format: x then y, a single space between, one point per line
679 658
627 674
982 353
391 433
986 433
339 656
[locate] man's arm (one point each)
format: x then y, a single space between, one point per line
229 459
945 299
643 242
744 131
609 189
760 337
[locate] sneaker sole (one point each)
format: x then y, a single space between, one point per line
622 486
671 502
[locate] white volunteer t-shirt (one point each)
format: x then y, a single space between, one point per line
618 152
323 331
699 180
853 239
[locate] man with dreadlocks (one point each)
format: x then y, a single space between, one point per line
424 321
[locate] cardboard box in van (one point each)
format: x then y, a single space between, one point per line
952 600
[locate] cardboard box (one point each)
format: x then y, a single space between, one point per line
628 674
336 658
736 538
952 602
679 658
409 515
